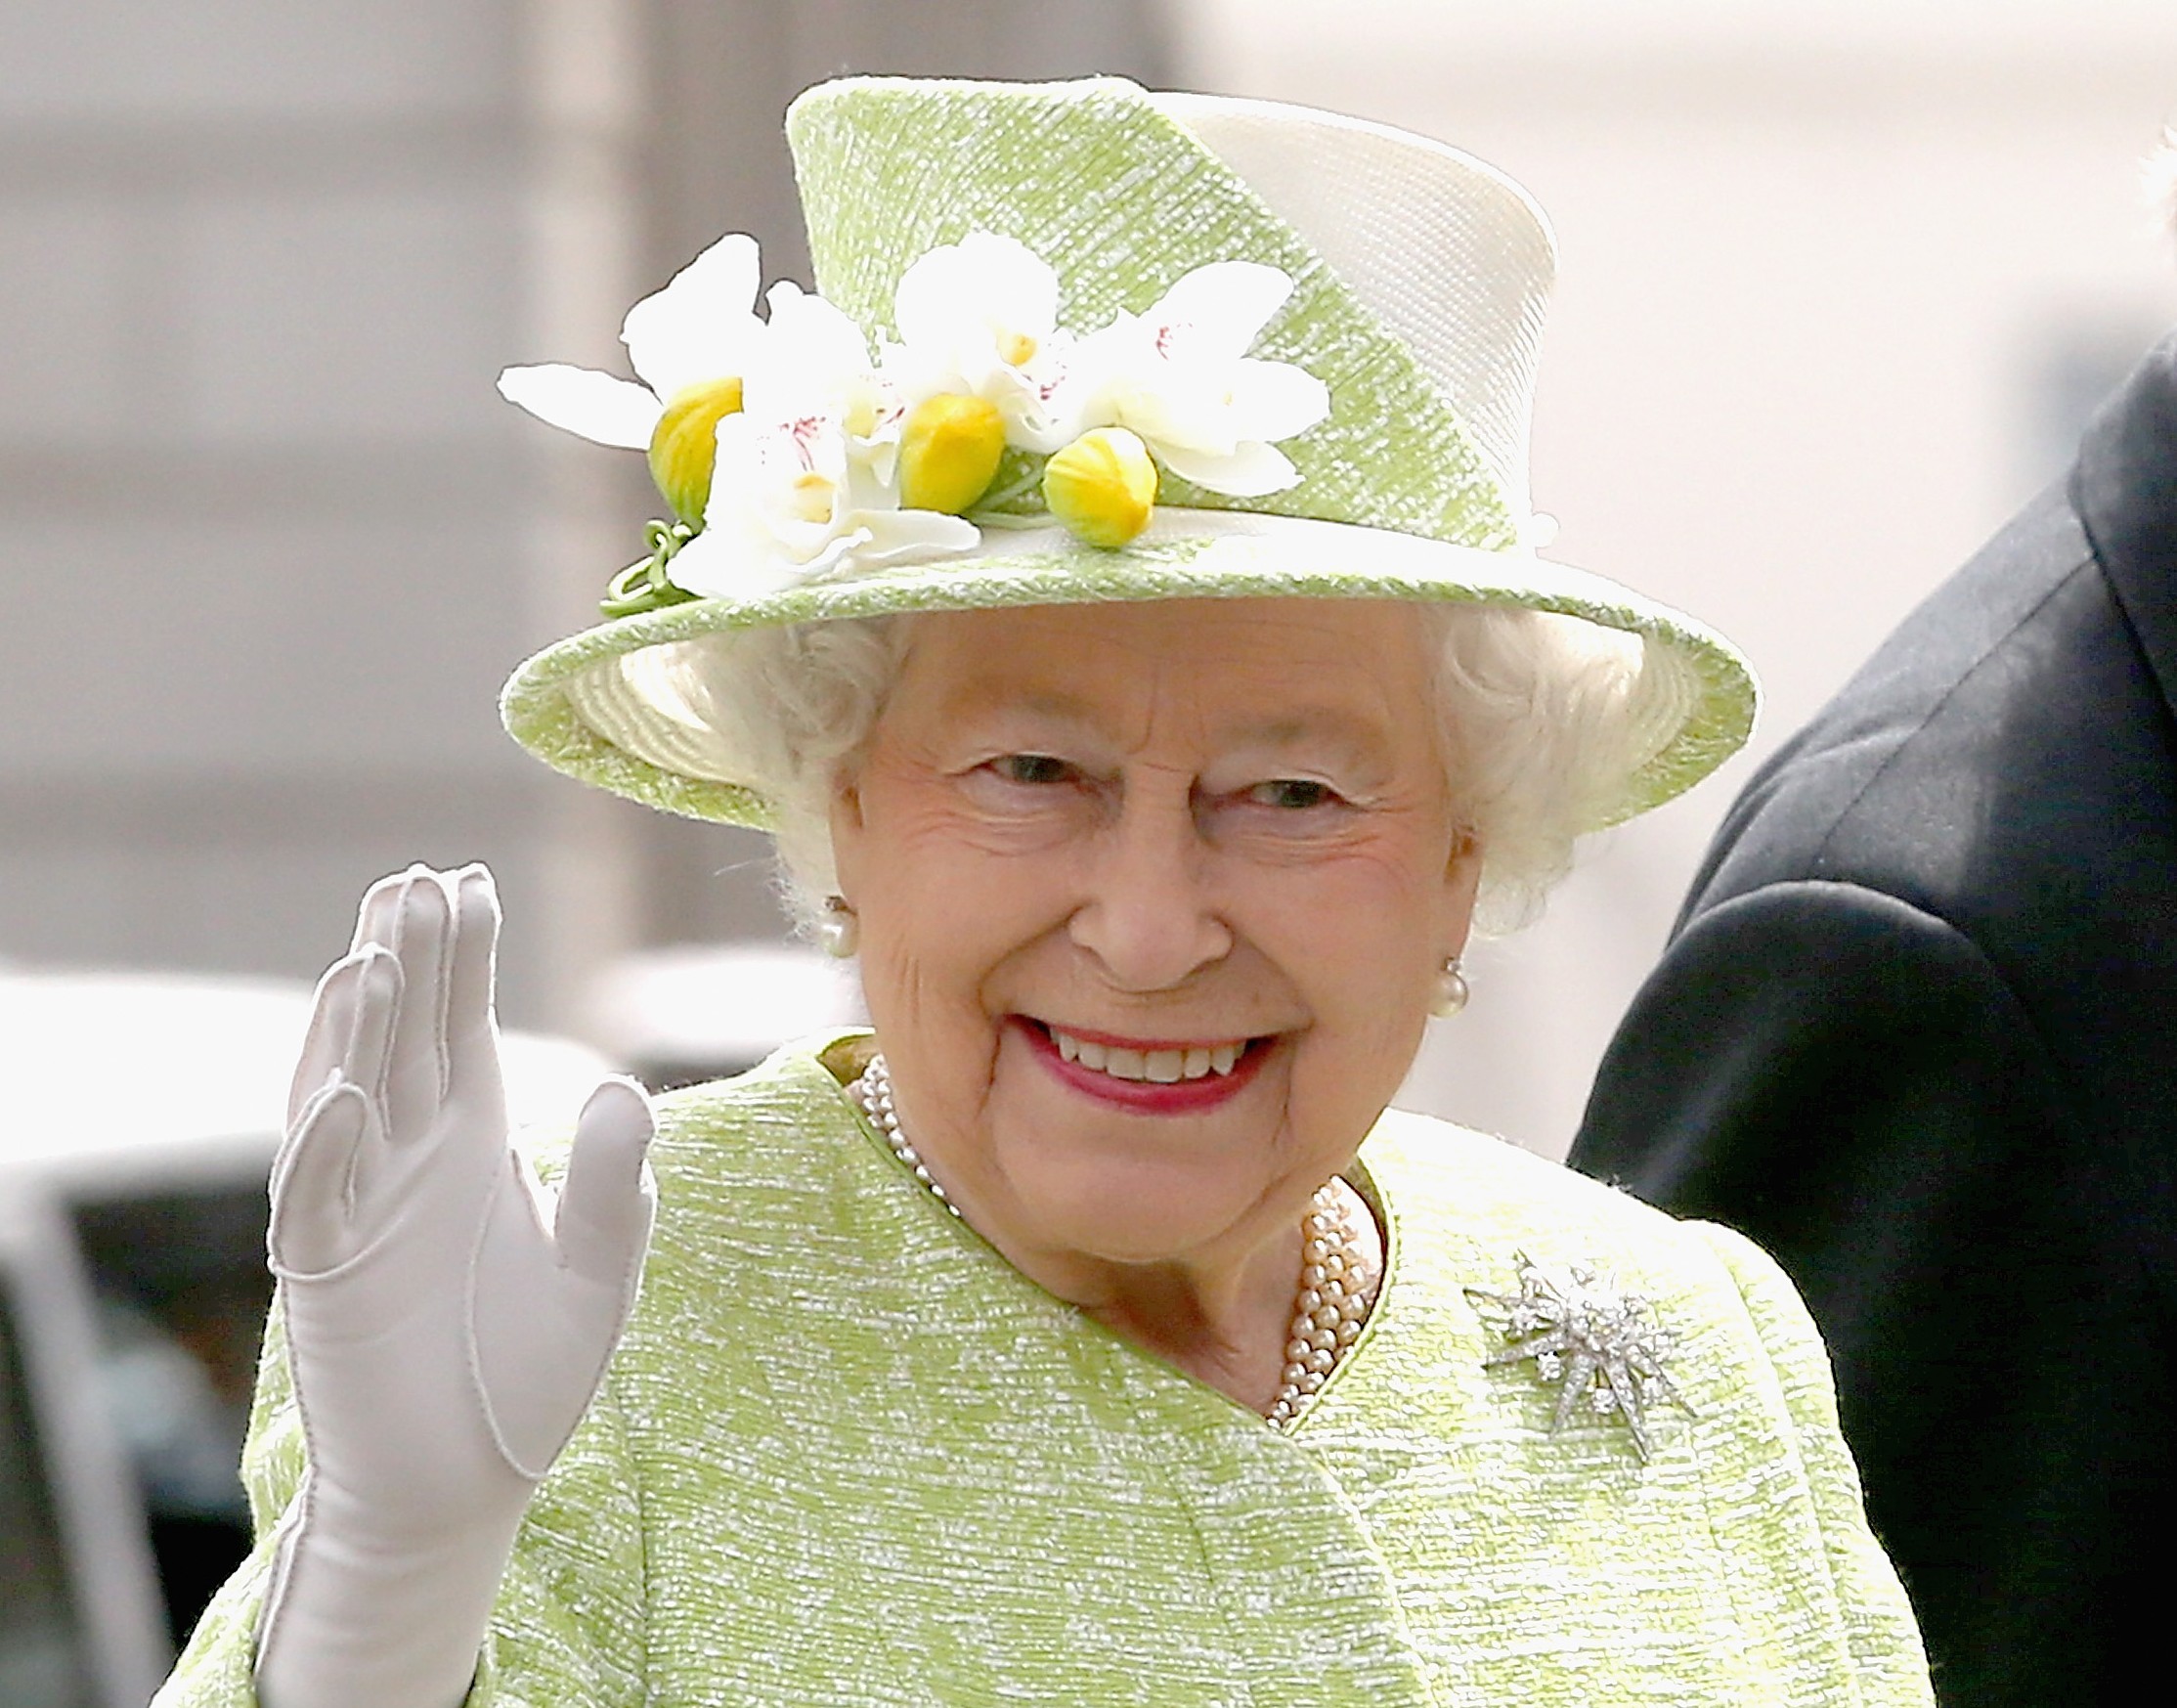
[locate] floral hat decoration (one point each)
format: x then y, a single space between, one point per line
1075 343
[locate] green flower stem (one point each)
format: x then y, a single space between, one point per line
644 585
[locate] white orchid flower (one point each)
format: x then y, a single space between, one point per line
789 505
1180 376
801 487
815 364
980 319
699 330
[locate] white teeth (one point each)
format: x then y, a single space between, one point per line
1159 1066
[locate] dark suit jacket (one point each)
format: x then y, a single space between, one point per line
1917 1035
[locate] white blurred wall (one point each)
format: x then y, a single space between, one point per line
269 541
259 260
1835 283
1832 277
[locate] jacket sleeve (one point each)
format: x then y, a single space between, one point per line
1888 1665
568 1626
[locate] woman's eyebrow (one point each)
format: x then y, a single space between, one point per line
1360 737
1045 705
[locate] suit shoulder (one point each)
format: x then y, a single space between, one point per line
1952 781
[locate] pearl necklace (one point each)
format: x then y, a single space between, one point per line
1335 1293
873 1090
1335 1289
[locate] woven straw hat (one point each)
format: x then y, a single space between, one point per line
1418 276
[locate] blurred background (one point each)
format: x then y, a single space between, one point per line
1840 283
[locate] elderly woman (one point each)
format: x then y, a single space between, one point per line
1113 591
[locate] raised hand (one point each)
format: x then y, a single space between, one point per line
447 1324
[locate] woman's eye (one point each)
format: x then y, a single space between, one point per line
1292 794
1030 768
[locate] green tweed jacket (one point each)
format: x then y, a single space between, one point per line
845 1455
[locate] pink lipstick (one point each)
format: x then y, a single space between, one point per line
1143 1096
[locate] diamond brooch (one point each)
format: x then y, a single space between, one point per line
1603 1348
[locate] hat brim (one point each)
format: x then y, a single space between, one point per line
600 707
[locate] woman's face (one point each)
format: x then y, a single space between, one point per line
1152 898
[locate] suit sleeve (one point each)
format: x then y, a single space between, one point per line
1847 1079
569 1621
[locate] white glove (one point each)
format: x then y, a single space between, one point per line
445 1328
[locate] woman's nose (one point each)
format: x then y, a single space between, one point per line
1148 916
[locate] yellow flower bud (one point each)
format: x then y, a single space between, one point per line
949 447
1101 486
684 445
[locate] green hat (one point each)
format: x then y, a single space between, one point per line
1078 342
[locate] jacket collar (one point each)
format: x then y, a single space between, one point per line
2125 489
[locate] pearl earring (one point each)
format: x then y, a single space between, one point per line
1451 994
838 934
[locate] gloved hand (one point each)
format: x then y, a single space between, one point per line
446 1329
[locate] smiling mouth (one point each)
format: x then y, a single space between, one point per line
1150 1065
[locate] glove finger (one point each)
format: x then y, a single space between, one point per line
415 1075
379 999
313 1191
471 1039
331 1037
324 1043
603 1220
381 906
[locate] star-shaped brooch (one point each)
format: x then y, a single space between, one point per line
1603 1348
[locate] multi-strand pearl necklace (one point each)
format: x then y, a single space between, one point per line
1336 1287
1333 1300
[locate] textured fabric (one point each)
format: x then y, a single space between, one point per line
605 705
848 1456
1121 201
1917 1035
1411 489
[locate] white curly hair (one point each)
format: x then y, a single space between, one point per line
1543 720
